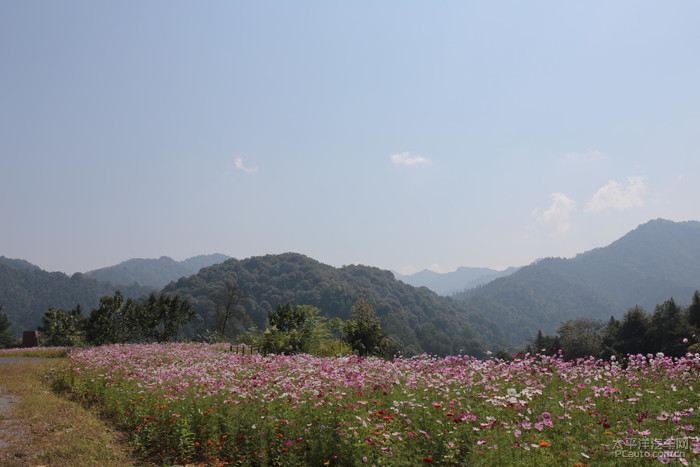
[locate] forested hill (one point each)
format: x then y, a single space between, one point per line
27 291
657 261
420 319
154 273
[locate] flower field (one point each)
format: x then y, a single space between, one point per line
196 403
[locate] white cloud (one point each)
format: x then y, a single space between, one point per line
407 158
558 213
239 165
615 195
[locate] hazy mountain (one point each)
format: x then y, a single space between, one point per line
156 273
656 261
18 264
196 263
422 320
450 283
27 291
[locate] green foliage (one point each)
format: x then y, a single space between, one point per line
667 330
5 337
160 317
273 279
694 311
544 344
632 333
287 318
581 338
329 348
157 319
63 328
292 329
111 322
28 291
365 335
228 304
299 329
658 260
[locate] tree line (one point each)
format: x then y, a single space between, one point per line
419 319
299 328
156 318
302 329
671 329
159 318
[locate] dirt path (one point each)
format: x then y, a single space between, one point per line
6 400
12 430
41 428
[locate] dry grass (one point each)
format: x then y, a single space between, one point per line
45 429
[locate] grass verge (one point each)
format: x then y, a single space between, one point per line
45 429
36 353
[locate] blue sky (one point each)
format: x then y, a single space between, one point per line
402 135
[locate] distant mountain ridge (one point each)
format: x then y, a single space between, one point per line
27 292
656 261
18 264
449 283
156 273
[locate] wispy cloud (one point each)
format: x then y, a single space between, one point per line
591 156
406 158
615 195
559 213
240 166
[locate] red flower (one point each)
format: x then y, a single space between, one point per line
428 460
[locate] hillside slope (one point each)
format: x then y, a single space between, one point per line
156 273
27 291
656 261
422 320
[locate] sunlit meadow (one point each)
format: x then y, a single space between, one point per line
196 403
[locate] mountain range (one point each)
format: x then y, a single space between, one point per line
155 273
450 283
656 261
27 292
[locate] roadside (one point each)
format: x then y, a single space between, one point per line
40 428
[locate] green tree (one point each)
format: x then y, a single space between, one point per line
632 333
609 338
160 317
544 344
228 302
63 328
694 311
667 329
5 337
291 329
364 333
581 338
110 322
